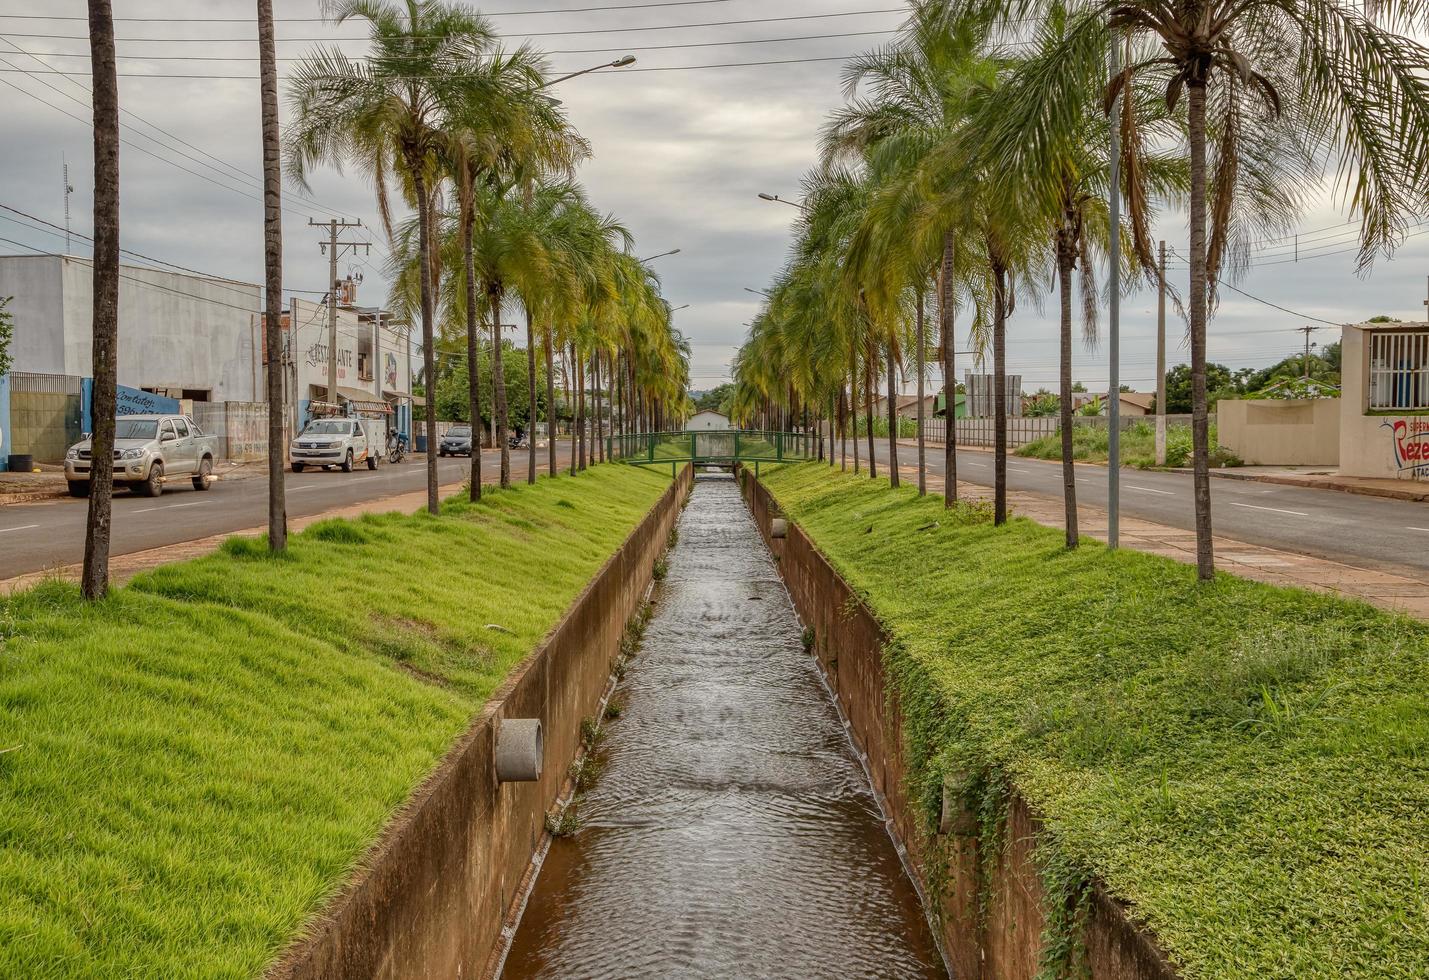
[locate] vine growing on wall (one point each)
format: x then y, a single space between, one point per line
7 333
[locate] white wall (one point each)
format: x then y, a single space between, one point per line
1392 447
175 330
707 422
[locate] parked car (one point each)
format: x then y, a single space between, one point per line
148 451
343 442
456 442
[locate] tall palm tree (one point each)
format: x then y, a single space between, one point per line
1277 92
389 115
104 355
273 277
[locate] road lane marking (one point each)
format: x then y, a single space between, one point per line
145 510
1273 510
1411 528
22 527
310 486
1168 493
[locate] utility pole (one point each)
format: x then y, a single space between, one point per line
1161 358
1113 421
69 189
1307 330
334 249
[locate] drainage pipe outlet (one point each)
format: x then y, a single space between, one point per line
519 748
778 527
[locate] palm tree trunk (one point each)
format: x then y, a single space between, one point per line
892 419
950 381
1065 257
429 361
273 278
548 342
597 446
869 373
473 349
1200 431
530 399
922 449
105 321
999 392
498 385
567 376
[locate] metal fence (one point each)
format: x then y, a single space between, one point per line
719 446
1022 430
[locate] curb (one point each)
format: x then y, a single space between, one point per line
1342 487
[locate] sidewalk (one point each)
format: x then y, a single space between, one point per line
1311 477
1397 593
1325 478
124 567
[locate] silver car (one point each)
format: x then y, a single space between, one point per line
148 449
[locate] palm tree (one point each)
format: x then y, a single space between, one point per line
273 277
1275 90
389 115
105 323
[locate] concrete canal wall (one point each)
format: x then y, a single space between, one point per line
436 889
991 929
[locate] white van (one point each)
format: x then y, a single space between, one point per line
343 442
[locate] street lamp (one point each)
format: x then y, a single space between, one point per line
775 197
757 292
621 62
677 309
673 251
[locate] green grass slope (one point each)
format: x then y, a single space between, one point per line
1247 765
190 768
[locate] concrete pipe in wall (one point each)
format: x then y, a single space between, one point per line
778 528
519 748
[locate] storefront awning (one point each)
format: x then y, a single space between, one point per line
356 394
396 395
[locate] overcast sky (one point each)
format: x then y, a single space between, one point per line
680 153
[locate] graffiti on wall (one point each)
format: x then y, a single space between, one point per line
1410 441
389 371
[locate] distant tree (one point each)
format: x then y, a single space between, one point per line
1040 404
1077 386
1126 388
454 389
710 401
1382 319
1219 379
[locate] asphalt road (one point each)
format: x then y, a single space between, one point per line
1368 532
49 533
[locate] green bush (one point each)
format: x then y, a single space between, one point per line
1138 446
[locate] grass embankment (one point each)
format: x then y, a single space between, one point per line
1138 446
1247 765
191 767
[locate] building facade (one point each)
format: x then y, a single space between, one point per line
182 336
1384 400
374 363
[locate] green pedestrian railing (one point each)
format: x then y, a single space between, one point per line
720 447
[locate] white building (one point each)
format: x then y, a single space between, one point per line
707 421
373 360
180 335
1384 400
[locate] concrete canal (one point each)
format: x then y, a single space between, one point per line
732 831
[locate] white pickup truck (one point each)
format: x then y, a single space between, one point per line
148 450
344 442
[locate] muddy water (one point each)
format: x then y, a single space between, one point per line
732 832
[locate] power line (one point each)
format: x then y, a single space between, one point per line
647 47
606 30
320 20
1266 302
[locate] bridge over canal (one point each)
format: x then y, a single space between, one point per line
717 447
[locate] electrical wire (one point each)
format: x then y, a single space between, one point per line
320 20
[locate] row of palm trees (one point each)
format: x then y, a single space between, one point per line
972 164
446 121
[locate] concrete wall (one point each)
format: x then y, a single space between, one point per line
1281 432
5 449
453 867
1394 447
1004 943
175 330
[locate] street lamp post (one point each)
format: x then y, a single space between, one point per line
757 292
621 62
776 198
673 251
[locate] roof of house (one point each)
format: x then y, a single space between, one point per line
1141 399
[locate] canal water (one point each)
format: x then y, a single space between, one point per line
732 832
